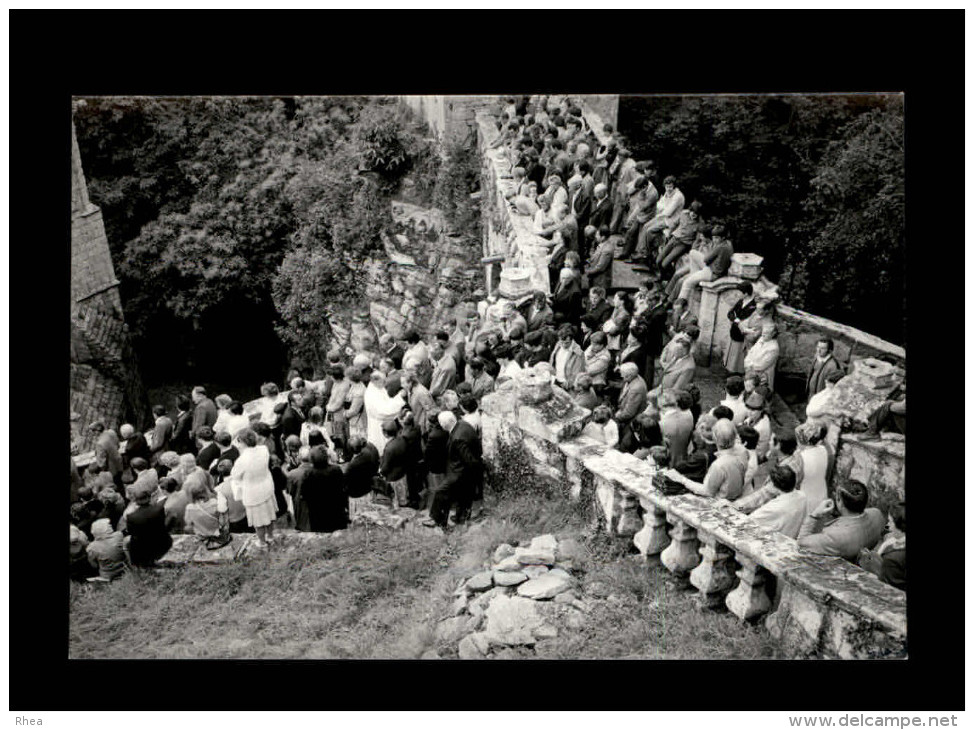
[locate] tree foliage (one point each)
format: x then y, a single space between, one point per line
773 168
222 207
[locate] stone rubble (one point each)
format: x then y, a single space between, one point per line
503 610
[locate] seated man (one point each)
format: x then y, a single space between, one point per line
843 528
682 237
149 538
787 511
602 428
679 372
709 266
725 477
889 560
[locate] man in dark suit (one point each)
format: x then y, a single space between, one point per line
182 443
149 538
293 416
204 413
824 364
601 213
599 271
362 468
228 451
209 449
463 468
597 309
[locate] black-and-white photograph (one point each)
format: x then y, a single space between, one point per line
488 376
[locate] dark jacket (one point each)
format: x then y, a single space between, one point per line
323 491
567 303
204 415
464 461
601 213
596 316
207 455
396 354
361 469
150 538
182 443
395 459
135 446
295 483
436 441
291 422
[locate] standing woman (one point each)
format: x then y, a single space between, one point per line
254 486
336 425
815 461
739 313
355 411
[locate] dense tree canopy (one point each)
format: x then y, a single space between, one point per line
244 216
812 183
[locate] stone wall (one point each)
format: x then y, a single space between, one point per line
827 606
426 273
450 117
104 381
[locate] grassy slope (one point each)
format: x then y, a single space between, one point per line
380 596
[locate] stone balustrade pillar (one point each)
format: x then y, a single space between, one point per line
714 576
750 599
653 538
681 555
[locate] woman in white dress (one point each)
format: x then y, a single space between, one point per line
252 484
815 460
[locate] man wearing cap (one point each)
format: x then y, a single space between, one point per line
844 527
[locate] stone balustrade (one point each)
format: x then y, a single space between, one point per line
825 606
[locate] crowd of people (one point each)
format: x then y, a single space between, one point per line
402 426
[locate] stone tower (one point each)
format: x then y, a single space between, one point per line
105 381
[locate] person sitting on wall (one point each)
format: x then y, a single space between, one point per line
708 266
889 559
844 527
602 428
583 394
819 405
787 510
644 435
679 241
702 451
890 417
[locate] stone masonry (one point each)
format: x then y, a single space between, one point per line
104 382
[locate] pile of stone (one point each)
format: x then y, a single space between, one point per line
517 600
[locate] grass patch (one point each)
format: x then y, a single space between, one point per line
381 594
